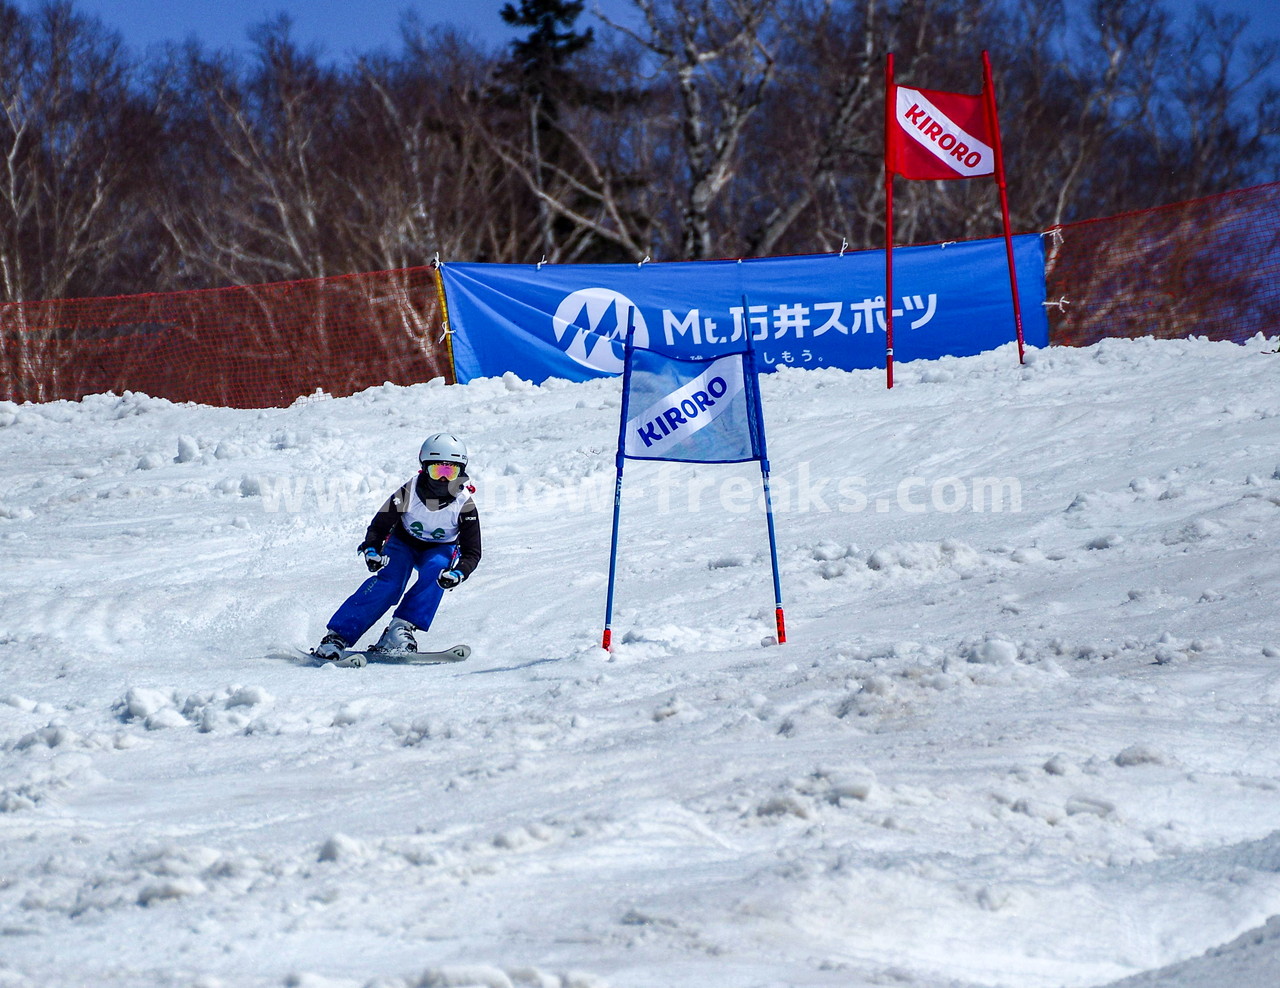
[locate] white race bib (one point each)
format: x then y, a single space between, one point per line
427 525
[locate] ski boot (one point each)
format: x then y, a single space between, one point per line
397 638
331 648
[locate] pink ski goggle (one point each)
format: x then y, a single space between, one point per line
444 471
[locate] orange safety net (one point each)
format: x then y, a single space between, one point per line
1209 267
256 346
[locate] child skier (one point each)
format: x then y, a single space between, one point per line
430 525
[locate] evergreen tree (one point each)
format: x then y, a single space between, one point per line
543 86
538 60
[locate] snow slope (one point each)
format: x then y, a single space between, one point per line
1028 747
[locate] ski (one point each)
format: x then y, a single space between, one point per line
354 658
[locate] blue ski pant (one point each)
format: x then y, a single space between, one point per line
362 609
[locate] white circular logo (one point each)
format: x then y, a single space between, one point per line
591 327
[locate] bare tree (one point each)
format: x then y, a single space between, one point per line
1232 116
257 199
419 177
592 196
719 59
817 137
76 142
699 128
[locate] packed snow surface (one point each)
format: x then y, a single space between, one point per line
1023 732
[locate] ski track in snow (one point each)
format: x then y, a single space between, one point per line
1029 748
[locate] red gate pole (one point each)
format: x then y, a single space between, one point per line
993 124
890 98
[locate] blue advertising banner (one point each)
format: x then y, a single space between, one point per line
821 310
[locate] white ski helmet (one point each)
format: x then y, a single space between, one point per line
443 446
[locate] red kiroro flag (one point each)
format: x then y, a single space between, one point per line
937 135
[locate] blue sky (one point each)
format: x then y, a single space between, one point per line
341 27
345 27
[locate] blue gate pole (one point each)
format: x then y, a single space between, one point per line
607 642
753 383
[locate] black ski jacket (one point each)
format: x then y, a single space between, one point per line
393 509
